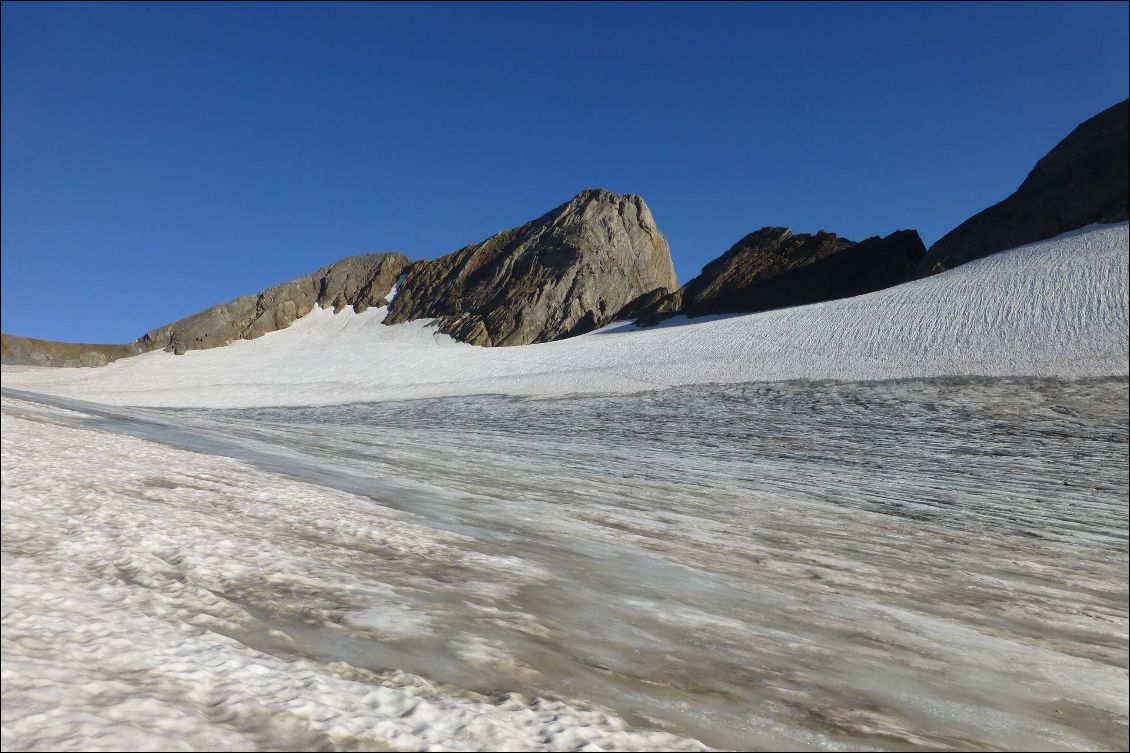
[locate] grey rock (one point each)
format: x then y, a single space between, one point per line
1085 179
563 274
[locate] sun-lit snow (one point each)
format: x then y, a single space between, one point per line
734 562
913 564
1055 308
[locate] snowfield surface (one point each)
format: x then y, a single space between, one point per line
1056 308
124 628
894 565
897 521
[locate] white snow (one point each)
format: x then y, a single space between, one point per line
1054 308
872 565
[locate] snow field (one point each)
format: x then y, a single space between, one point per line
1057 308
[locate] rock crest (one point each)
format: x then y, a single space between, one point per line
563 274
775 268
358 281
1085 179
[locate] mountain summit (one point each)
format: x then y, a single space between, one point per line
563 274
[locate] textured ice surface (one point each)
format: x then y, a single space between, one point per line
1055 308
907 564
158 599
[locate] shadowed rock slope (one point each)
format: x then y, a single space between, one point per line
1085 179
775 268
563 274
358 281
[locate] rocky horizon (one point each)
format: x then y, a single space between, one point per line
601 257
562 274
566 273
1083 180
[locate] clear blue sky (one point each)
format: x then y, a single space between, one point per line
159 158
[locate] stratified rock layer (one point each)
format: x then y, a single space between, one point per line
28 351
560 275
1085 179
358 281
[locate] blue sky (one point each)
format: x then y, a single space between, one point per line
162 158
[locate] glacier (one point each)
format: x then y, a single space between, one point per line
898 521
1057 308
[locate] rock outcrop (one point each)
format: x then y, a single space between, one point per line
560 275
28 351
357 281
774 268
1085 179
652 307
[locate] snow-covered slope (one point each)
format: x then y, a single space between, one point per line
1055 308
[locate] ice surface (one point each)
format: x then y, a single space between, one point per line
148 594
1055 308
910 564
670 548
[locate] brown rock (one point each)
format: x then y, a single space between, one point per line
28 351
560 275
773 268
358 281
652 307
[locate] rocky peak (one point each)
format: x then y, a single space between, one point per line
563 274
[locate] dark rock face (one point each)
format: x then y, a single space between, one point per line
1085 179
27 351
773 268
560 275
358 281
651 307
740 279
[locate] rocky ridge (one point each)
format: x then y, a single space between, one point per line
563 274
775 268
1085 179
29 351
600 257
358 281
